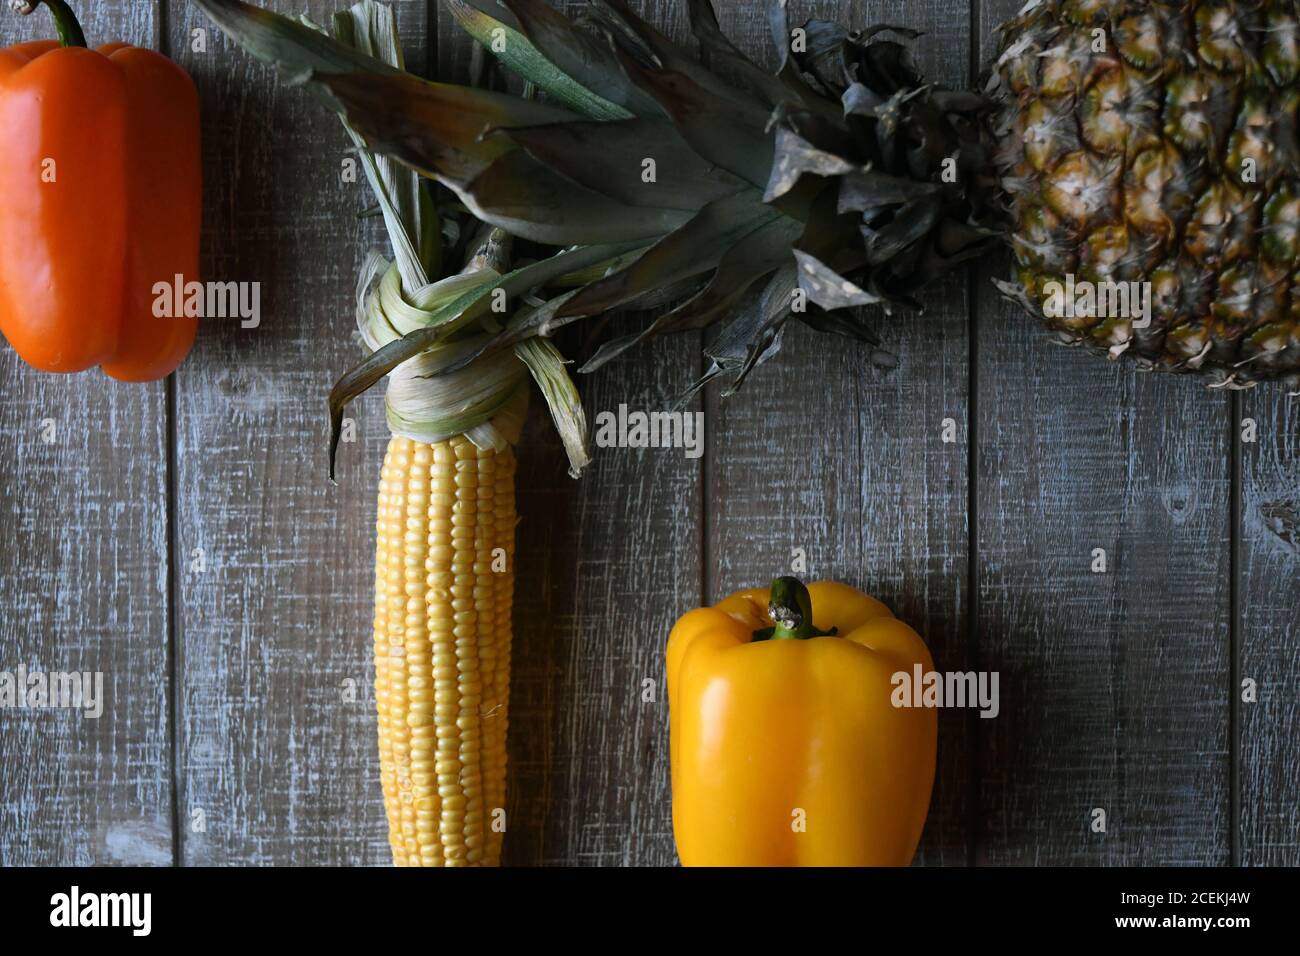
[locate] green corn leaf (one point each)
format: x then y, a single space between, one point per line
580 277
539 318
546 364
536 320
409 216
453 316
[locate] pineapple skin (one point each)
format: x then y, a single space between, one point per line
1151 141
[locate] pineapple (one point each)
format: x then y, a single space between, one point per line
1153 141
1115 141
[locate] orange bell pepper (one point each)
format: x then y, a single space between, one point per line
786 748
100 199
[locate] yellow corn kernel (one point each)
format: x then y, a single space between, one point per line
444 581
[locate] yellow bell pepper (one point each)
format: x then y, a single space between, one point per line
786 747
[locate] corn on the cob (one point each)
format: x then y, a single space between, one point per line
442 647
445 529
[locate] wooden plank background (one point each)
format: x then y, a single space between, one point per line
1121 698
83 587
181 538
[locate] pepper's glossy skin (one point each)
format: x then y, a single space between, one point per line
768 735
100 199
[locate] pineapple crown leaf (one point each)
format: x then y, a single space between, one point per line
545 48
567 148
695 248
842 179
758 254
294 48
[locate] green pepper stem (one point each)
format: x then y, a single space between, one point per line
65 21
790 607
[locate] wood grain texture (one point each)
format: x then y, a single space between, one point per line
1269 589
605 565
1114 686
276 706
824 451
83 585
1116 689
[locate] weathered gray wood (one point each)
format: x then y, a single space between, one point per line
1269 597
825 452
1114 686
605 565
278 761
83 586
